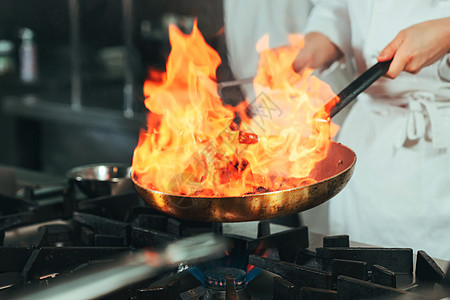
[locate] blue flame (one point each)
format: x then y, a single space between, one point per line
237 258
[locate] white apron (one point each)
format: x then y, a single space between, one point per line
399 195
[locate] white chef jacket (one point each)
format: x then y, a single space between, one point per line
247 21
399 195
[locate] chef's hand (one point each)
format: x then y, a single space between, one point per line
318 51
417 46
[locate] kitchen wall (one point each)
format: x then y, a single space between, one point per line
75 111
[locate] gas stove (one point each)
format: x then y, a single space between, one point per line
49 235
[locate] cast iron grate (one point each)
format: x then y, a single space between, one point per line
95 231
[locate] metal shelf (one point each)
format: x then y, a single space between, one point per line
42 110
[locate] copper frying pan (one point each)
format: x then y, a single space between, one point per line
332 174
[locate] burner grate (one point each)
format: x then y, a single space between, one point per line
284 265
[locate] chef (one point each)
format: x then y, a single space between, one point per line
247 21
399 195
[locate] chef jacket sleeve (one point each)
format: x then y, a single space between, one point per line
444 68
331 18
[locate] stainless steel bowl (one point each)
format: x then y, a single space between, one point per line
97 180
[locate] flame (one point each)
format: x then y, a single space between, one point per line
192 146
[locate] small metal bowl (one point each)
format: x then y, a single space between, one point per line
97 180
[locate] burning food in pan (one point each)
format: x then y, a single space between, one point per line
193 144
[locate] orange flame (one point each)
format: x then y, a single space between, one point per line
193 147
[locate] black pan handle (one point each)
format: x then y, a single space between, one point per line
356 87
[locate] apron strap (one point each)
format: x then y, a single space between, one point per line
428 119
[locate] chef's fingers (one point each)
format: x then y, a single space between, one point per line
393 51
399 63
302 61
395 69
388 52
403 61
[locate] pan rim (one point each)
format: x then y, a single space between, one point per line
350 166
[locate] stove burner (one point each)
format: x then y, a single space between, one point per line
50 237
216 278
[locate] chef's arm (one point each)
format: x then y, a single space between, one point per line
417 47
327 36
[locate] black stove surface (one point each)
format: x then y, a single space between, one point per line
49 235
